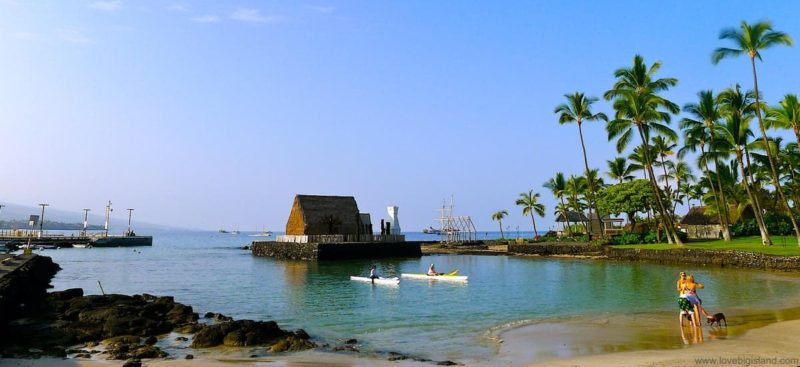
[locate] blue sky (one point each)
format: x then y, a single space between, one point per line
214 114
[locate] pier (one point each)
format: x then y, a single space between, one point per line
20 239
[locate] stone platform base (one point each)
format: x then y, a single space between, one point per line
330 251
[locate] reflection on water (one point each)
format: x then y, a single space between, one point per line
438 320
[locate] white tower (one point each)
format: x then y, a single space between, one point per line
395 228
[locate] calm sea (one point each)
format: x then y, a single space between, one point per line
208 271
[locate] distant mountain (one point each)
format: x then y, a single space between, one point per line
16 212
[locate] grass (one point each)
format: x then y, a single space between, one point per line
782 245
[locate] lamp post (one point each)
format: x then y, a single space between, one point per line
108 215
85 221
130 213
41 220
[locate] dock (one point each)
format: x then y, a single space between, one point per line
10 240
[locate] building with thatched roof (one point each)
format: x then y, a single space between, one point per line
324 215
331 227
698 225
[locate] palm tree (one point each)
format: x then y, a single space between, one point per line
683 175
663 147
786 116
699 132
579 109
639 109
637 160
695 192
575 189
558 185
529 201
618 169
737 107
498 216
751 40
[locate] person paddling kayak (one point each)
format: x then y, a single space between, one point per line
432 271
373 273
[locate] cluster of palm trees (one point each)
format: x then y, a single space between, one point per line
741 168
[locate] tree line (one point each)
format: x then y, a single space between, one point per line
742 171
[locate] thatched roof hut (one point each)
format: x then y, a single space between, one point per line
324 215
698 225
697 217
572 217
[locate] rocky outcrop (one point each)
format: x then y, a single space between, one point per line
246 333
69 318
24 281
129 327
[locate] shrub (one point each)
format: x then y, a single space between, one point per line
745 227
626 239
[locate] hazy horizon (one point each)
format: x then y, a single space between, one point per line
214 115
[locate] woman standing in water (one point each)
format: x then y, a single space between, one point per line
690 288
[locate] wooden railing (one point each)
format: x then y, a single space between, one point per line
341 238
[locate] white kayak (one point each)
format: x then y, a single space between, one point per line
445 277
387 281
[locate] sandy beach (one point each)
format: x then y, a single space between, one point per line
639 340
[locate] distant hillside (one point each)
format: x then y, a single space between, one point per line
48 225
15 213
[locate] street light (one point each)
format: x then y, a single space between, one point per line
130 213
108 215
85 221
41 220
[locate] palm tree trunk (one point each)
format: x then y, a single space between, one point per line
503 236
566 217
775 178
726 232
668 222
757 201
591 184
533 220
714 193
677 192
759 219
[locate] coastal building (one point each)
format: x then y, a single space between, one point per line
327 227
699 226
606 224
571 218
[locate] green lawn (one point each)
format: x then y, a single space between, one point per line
782 245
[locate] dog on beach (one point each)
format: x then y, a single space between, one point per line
716 318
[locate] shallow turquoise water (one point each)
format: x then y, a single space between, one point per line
431 319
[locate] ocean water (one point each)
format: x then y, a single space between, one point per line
437 320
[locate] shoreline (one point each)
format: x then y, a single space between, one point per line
644 339
607 339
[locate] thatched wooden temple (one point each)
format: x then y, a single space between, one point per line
332 227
